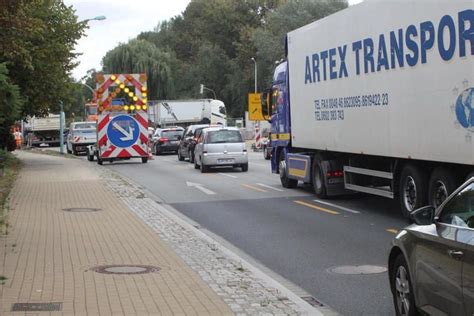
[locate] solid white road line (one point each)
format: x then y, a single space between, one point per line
337 206
200 187
269 187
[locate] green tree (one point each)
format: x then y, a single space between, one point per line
213 41
37 39
10 105
269 40
141 56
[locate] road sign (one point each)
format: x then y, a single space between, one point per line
255 107
123 131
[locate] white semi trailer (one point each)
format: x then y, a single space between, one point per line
378 98
186 112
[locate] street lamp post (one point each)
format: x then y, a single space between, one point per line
255 62
203 87
93 94
97 18
61 127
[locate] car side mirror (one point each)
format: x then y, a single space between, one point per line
424 215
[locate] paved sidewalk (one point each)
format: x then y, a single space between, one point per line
50 254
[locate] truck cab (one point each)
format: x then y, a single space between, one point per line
275 108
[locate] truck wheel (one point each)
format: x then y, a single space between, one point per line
100 161
442 184
144 159
319 181
413 189
285 181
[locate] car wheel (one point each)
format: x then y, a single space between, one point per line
204 168
100 161
402 289
442 184
157 150
413 185
180 158
196 166
144 159
285 181
191 156
245 167
89 156
74 151
67 149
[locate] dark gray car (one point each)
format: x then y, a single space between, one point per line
431 263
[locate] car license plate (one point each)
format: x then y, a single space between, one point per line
227 160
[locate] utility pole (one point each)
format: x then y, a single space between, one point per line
61 127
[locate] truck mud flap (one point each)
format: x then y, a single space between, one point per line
333 174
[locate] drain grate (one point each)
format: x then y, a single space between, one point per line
363 269
82 209
125 269
312 301
37 307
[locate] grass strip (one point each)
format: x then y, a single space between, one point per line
9 169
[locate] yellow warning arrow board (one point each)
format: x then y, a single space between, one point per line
255 107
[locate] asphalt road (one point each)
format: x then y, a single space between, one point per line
287 230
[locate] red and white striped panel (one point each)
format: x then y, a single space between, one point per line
102 88
258 135
117 152
107 150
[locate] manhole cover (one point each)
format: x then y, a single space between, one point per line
36 307
125 269
363 269
81 209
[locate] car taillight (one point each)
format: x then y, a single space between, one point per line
335 174
163 139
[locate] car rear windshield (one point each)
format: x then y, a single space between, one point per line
173 135
224 136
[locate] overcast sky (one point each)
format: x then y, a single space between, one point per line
125 20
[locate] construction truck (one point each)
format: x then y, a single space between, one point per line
43 131
122 123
